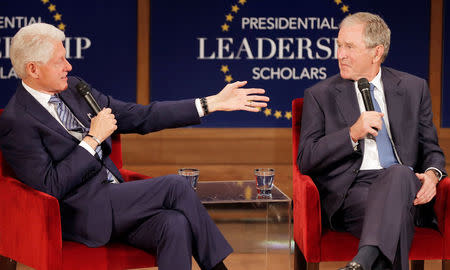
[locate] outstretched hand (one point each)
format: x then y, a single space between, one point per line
234 98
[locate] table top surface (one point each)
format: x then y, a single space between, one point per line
211 192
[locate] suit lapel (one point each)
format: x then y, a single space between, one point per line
347 102
395 102
35 110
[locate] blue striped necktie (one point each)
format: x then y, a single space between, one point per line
71 124
384 145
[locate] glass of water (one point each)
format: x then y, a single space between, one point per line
191 175
264 182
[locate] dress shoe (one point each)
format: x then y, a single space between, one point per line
352 266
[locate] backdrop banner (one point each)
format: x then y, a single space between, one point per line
100 41
283 46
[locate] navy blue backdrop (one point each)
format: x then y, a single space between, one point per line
445 117
101 41
191 41
198 46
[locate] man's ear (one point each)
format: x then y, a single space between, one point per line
378 55
32 70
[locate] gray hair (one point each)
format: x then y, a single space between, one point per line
33 43
376 31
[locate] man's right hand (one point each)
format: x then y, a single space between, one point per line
365 124
103 125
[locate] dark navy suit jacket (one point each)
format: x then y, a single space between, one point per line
46 157
331 108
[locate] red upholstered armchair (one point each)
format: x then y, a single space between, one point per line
30 229
315 244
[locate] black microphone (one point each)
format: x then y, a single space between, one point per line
85 91
364 88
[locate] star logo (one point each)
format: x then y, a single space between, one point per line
57 17
52 7
228 78
242 2
224 69
344 8
62 26
225 27
234 8
267 112
288 115
277 114
338 2
45 1
229 17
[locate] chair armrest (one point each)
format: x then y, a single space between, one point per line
30 225
442 210
307 216
128 175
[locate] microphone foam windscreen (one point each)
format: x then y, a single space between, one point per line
83 88
363 83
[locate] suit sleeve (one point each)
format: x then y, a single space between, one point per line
429 150
142 119
320 151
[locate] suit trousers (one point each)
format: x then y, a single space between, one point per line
164 215
379 210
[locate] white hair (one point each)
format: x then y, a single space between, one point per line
376 31
33 43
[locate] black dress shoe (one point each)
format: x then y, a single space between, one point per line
352 266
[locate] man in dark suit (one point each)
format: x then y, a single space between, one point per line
372 168
48 138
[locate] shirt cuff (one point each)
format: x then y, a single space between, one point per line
436 169
198 105
87 147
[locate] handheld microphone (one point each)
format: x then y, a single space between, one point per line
364 88
85 91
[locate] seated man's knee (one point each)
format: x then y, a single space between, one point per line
177 181
403 175
176 226
399 170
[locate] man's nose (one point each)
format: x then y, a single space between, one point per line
68 66
340 53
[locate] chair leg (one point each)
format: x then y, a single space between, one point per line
7 263
417 265
445 264
300 262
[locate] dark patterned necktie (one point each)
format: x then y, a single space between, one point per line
71 124
384 145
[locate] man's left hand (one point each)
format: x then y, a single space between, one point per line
428 189
233 98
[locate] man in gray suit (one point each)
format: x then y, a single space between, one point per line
373 169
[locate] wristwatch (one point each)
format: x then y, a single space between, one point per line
438 175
